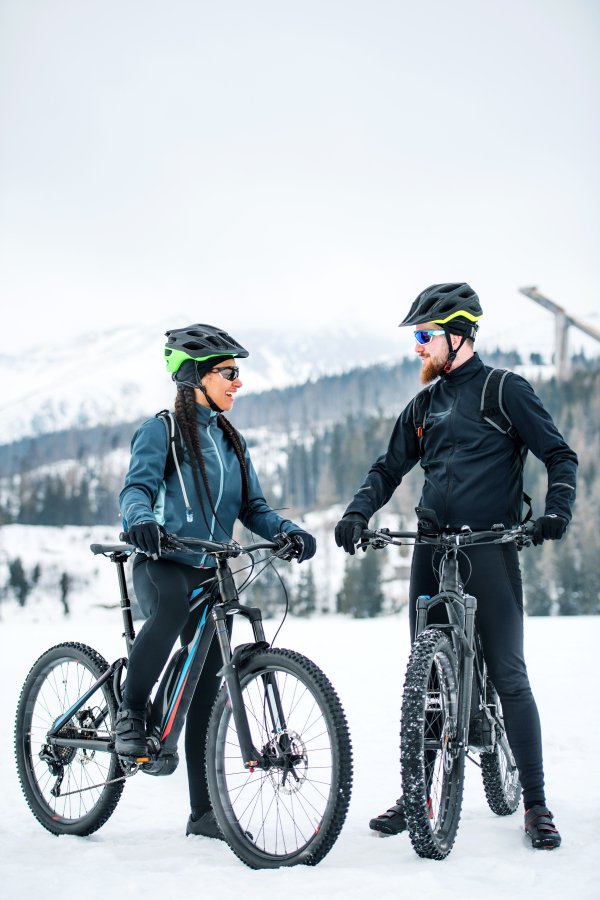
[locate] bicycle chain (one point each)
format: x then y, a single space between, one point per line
102 784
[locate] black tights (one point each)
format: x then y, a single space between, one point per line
496 583
162 589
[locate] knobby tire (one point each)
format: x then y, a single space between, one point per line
56 680
432 794
276 818
498 768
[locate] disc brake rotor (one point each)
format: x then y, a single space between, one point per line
288 747
447 755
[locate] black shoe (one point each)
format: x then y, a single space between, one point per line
393 821
206 825
541 829
130 729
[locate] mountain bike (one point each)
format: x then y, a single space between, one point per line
450 706
279 757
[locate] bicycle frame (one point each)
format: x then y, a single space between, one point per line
176 689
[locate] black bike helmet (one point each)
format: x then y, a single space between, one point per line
199 342
443 303
454 306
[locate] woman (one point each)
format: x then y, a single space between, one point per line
214 484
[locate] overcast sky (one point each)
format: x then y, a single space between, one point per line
291 163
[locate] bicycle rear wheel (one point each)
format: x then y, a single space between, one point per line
498 768
432 775
291 814
67 795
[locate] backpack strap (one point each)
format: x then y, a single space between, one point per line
493 412
175 457
491 407
174 441
419 416
527 500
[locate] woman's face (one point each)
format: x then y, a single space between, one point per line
219 389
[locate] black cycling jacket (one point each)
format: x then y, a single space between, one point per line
473 472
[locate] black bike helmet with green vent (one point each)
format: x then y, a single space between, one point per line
442 303
199 342
454 306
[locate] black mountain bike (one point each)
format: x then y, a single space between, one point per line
279 758
450 706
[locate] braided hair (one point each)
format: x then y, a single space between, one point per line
185 413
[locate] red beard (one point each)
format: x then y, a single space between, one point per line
432 369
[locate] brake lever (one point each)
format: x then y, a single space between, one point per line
288 549
172 545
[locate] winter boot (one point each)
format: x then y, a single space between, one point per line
540 828
393 821
130 730
206 825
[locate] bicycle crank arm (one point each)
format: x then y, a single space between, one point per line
251 758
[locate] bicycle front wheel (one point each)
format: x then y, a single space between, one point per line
432 767
67 793
291 813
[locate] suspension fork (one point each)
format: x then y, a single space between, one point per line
272 697
466 674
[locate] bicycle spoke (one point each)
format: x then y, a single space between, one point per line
283 809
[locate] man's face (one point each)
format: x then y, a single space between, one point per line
434 355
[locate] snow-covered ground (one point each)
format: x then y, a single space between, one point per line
142 851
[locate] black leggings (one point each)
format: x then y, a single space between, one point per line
496 583
162 589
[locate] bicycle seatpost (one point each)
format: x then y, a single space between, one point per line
129 633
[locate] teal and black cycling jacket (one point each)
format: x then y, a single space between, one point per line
147 495
473 472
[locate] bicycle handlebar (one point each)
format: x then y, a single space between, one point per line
173 543
498 534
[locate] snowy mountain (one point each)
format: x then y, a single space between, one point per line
119 375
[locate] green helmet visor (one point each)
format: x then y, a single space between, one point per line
174 358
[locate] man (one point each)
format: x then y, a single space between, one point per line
474 476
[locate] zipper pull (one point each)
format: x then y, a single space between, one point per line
189 514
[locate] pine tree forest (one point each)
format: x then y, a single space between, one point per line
309 461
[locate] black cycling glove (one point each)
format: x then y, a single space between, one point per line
305 543
348 530
548 528
146 537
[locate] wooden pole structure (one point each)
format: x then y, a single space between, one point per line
564 321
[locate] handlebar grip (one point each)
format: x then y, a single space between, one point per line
124 536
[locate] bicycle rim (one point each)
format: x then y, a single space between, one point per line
56 682
294 812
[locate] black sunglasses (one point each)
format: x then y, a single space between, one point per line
230 373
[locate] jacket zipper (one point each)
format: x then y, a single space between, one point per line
220 488
451 457
222 476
